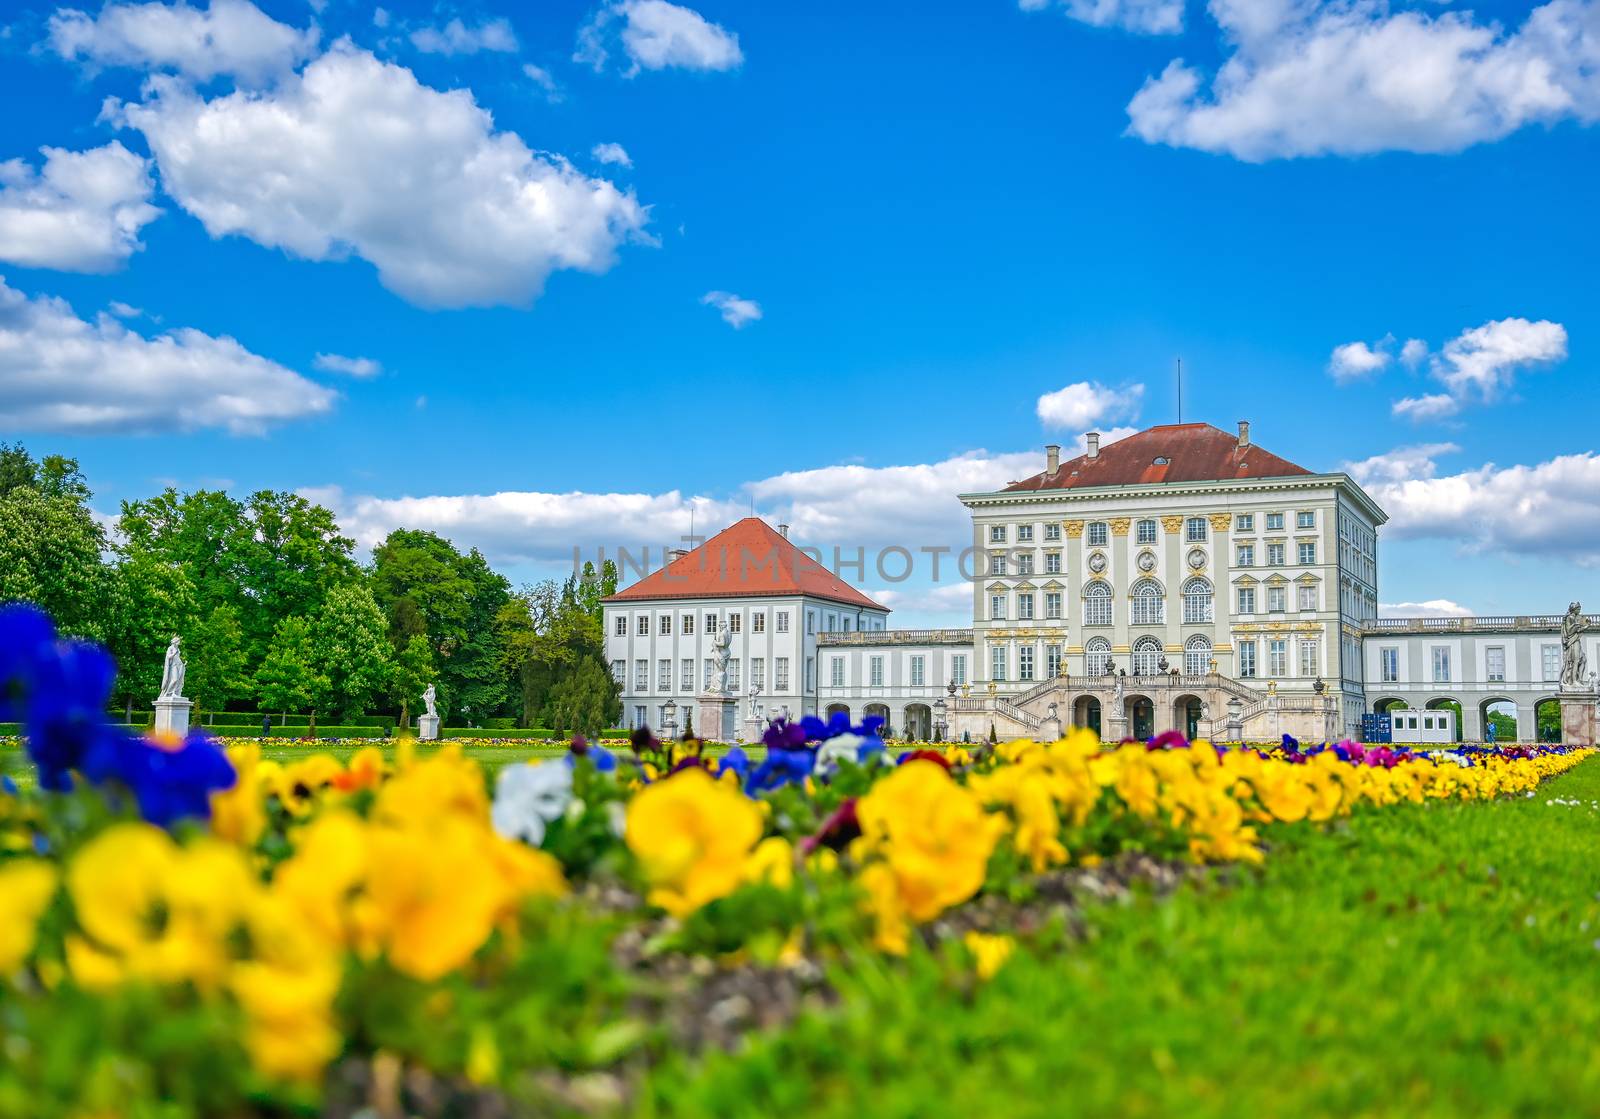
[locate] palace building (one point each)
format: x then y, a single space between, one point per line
1180 578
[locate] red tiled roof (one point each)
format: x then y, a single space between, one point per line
746 559
1166 453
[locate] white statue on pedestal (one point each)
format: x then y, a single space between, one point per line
720 652
172 672
1574 661
429 698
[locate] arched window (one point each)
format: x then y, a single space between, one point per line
1146 656
1196 601
1097 657
1149 604
1197 655
1097 605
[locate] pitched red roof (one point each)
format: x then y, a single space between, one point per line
746 559
1165 453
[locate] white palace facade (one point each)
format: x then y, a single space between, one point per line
1180 578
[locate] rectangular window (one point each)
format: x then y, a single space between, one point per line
686 626
735 623
1308 596
1097 610
1277 600
1441 664
641 675
1025 607
997 534
1146 533
836 671
1274 522
1308 552
1052 660
664 628
783 621
1052 604
1247 660
758 672
622 625
733 674
780 674
1148 610
1275 555
810 671
997 564
642 628
1310 664
997 607
1305 519
1052 532
758 622
958 669
1244 522
918 671
664 675
997 663
1025 564
811 621
1194 530
1389 664
1551 656
638 716
1098 534
833 621
711 625
1024 534
1052 563
705 676
1025 663
619 672
1247 555
1278 657
875 672
686 674
1247 600
1495 658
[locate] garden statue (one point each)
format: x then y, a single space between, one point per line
719 676
755 709
172 673
1574 662
429 698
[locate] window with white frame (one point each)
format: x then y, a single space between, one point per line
1052 660
1305 518
1247 660
836 671
1097 605
1146 656
1052 563
997 607
1097 534
875 672
733 674
711 625
1145 531
1245 555
782 625
1550 656
1277 600
811 621
1310 662
1194 530
758 672
1052 605
686 675
664 626
1494 658
664 675
642 628
1274 522
621 627
1247 600
1025 606
997 564
833 622
1197 607
708 668
919 669
1244 522
1097 657
619 672
758 622
1308 596
1275 555
958 669
780 674
997 662
1024 534
1025 663
997 534
1308 552
686 625
1052 531
1441 664
735 623
1389 664
1025 564
1278 656
810 673
641 675
1147 605
1197 655
639 719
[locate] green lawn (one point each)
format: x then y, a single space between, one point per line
1421 961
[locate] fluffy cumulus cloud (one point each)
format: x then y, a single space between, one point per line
354 156
1150 17
735 310
1481 364
456 37
80 212
612 153
1354 360
61 373
1549 509
656 35
1432 608
1306 78
362 368
232 37
1084 405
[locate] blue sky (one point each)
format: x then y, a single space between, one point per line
943 212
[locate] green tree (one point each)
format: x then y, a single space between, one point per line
290 555
200 532
51 544
586 699
218 672
351 648
150 601
288 679
413 672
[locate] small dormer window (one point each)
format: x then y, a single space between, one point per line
1162 460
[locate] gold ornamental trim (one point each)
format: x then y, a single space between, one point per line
1074 529
1220 522
1171 524
1119 525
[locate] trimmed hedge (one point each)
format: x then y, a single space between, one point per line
496 732
222 719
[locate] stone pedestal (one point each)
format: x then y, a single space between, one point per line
714 717
754 728
1578 719
428 728
1116 727
172 717
1050 730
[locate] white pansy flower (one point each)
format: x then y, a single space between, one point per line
528 798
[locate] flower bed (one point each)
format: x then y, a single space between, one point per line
222 933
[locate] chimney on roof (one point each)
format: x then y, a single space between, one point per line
783 531
1052 457
676 554
1093 439
1244 433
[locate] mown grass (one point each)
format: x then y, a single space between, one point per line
1434 960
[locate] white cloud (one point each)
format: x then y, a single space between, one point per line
612 153
1549 509
1150 17
355 156
656 35
1413 353
60 373
362 368
1357 359
735 311
545 80
456 37
228 37
1480 364
124 310
1085 405
81 212
1432 608
1346 78
1421 409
